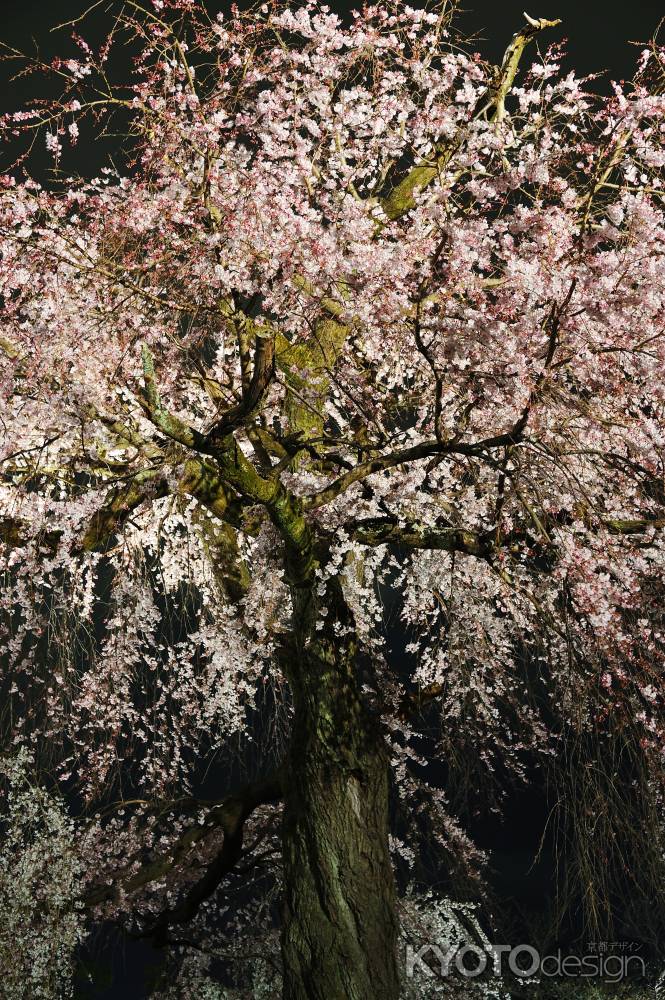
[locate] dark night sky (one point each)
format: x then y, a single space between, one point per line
597 30
598 36
598 33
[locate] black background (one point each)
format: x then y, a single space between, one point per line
598 38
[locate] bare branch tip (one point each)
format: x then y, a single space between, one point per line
541 22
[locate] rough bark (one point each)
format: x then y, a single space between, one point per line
339 929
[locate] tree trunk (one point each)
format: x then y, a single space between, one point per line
339 934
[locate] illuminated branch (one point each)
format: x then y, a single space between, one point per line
110 518
386 531
166 422
511 61
238 472
199 480
229 816
427 449
402 198
262 376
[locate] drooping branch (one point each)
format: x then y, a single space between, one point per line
229 816
222 548
199 480
15 532
110 518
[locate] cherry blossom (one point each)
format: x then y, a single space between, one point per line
368 322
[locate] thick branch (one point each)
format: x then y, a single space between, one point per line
230 817
402 198
9 349
284 509
170 425
427 449
110 518
385 531
511 61
263 373
374 531
199 480
301 362
637 526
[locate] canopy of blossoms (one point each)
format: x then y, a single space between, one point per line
360 292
